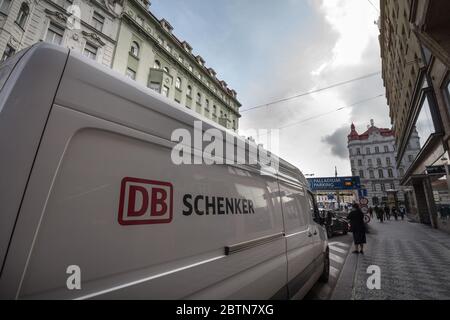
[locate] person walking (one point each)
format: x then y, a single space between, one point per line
379 213
387 212
356 217
402 212
394 213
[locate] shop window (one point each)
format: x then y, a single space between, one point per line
424 123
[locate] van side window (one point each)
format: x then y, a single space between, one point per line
312 206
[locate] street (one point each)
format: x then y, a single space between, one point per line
413 260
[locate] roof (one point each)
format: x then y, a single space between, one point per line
354 135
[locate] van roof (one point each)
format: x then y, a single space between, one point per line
86 72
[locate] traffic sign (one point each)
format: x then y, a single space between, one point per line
363 201
364 209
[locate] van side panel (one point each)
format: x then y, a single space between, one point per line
78 211
25 102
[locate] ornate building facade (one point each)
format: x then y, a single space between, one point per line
126 36
373 158
89 27
415 52
149 52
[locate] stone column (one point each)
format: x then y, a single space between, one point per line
430 202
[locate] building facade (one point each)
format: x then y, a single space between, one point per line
89 27
126 36
149 52
373 158
415 52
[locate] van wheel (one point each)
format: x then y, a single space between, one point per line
326 268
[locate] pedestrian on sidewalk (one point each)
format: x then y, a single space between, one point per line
394 212
402 212
379 213
387 212
358 228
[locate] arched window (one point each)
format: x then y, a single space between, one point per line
157 64
199 98
189 91
178 83
166 69
23 14
134 49
207 103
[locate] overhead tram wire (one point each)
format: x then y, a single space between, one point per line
327 113
312 91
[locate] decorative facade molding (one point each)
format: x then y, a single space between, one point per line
93 37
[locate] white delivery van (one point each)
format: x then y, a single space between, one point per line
91 205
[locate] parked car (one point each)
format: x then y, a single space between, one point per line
335 223
92 200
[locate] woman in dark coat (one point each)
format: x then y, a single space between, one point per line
358 227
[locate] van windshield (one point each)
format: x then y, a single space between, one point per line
6 69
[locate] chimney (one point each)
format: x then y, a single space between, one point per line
371 122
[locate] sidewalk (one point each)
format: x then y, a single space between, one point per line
414 260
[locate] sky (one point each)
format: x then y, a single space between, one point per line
270 50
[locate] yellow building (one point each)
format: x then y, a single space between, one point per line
149 52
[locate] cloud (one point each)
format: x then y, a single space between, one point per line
338 142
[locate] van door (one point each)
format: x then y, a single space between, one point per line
298 233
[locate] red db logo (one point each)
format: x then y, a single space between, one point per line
145 201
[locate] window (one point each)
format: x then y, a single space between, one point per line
157 65
165 91
4 6
160 40
424 122
189 91
377 150
155 86
392 186
361 173
390 173
372 174
166 70
358 151
214 111
386 149
134 50
190 68
380 173
367 150
199 98
9 52
383 187
178 83
90 51
168 48
369 162
97 21
360 163
402 172
140 20
54 34
374 187
131 73
207 104
23 15
410 158
388 161
234 124
378 162
352 162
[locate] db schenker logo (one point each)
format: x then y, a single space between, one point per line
145 202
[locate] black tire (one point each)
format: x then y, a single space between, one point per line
326 268
329 232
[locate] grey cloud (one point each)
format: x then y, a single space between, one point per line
338 142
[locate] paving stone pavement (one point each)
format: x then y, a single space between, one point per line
414 260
